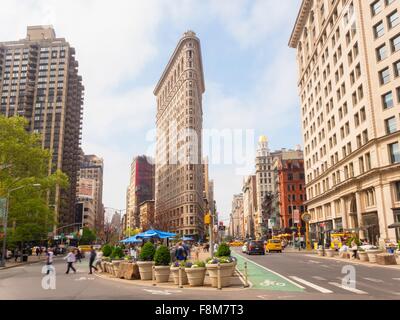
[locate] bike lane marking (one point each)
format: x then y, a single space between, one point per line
264 278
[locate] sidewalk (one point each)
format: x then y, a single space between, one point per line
294 250
31 260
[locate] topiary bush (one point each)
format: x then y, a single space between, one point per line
350 240
223 250
147 253
162 256
117 253
107 250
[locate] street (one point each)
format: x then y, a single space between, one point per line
284 276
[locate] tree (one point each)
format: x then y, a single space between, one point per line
88 236
23 163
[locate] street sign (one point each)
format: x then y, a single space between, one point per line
306 217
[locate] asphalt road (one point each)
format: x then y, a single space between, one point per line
325 277
289 276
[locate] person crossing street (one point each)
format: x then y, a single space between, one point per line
71 258
92 258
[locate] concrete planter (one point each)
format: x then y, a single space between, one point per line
226 274
162 273
320 252
196 276
234 268
330 253
115 267
146 269
363 255
372 255
175 276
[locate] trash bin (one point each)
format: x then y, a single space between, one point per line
25 258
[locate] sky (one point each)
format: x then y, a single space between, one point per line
123 47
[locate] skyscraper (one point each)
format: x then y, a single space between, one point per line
39 80
179 172
91 169
348 55
141 188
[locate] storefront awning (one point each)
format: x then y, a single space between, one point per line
394 225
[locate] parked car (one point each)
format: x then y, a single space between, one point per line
244 248
273 245
255 247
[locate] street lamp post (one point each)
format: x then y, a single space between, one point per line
5 222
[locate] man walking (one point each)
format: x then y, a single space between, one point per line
71 258
92 258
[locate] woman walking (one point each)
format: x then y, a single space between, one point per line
71 258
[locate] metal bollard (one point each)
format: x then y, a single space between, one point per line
154 276
219 285
246 277
180 278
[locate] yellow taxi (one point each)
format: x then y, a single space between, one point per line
84 248
273 245
236 244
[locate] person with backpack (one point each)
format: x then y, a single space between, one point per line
180 252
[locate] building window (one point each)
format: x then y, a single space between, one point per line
381 53
387 100
376 7
379 30
394 152
390 125
395 43
397 191
396 68
384 76
393 19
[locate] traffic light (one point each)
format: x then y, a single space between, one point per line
207 219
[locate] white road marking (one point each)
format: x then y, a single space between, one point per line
373 280
313 261
162 292
319 278
311 285
325 266
276 273
354 290
397 279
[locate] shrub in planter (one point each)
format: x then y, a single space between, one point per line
117 253
196 274
147 253
162 256
350 240
226 265
146 262
223 250
107 250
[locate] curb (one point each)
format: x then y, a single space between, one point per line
370 265
21 265
164 286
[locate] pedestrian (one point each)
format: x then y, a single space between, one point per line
98 260
78 255
354 247
37 252
187 250
197 252
180 252
49 259
215 247
17 253
71 259
92 258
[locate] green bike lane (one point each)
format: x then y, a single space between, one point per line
263 278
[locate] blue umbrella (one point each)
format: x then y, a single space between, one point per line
155 234
133 239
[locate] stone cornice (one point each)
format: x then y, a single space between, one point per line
300 22
188 35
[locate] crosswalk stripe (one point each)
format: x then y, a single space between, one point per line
373 280
311 285
354 290
397 279
319 278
